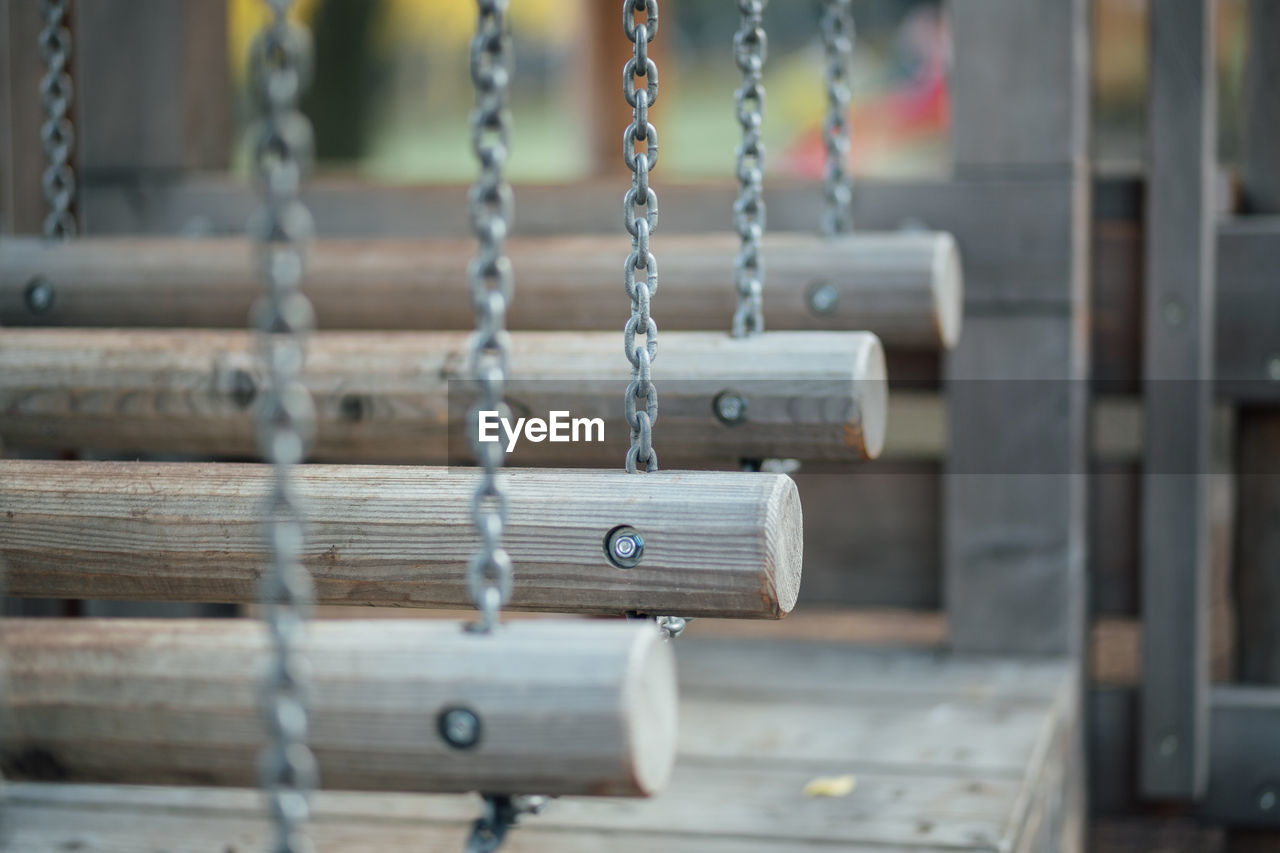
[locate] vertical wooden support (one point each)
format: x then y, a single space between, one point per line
1014 536
1178 369
21 157
153 90
1257 541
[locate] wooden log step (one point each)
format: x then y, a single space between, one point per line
402 396
716 543
906 287
564 707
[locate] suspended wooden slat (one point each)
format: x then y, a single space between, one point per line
386 397
906 287
716 543
564 707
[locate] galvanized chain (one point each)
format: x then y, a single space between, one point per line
281 59
640 272
837 39
57 134
501 812
490 280
750 48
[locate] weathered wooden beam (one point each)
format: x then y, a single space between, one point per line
21 156
715 543
907 287
1014 544
574 707
401 396
1178 369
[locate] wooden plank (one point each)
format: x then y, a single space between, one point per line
1246 342
1014 529
1007 229
1257 547
22 205
716 543
981 773
907 287
1259 165
1014 544
1242 789
1178 369
153 86
579 707
1023 58
402 396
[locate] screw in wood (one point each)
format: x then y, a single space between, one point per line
39 295
459 727
624 546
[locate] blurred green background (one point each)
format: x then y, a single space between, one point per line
392 92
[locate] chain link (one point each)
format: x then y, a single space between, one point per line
57 134
490 281
750 48
640 272
837 40
285 419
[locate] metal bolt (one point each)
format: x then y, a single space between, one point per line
823 298
1173 312
1273 367
39 295
1168 746
243 388
352 407
730 408
624 546
1268 799
460 727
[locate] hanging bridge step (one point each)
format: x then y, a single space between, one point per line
905 287
556 707
715 543
403 397
945 753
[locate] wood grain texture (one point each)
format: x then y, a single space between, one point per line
577 707
402 396
907 287
716 543
22 205
971 763
1014 543
1178 369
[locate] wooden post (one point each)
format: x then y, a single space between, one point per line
1014 537
906 287
1257 540
1178 368
715 543
579 708
153 92
400 396
21 155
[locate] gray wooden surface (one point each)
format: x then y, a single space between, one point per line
1178 368
1014 532
947 754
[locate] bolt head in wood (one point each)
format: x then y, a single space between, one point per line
459 727
39 295
730 408
624 546
823 298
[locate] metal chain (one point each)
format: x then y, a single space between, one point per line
837 39
750 48
57 134
501 812
490 280
283 148
640 272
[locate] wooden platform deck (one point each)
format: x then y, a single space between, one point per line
946 754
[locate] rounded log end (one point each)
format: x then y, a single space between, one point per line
865 431
650 699
948 290
784 545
